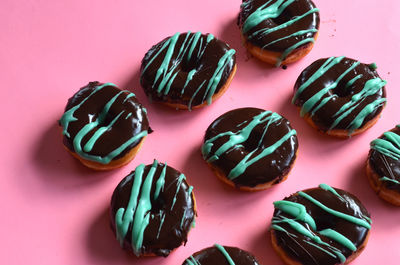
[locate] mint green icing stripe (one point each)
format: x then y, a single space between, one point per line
388 146
265 12
296 210
142 216
216 77
344 216
370 88
390 180
263 32
225 253
160 182
341 239
124 217
178 186
192 261
248 161
332 61
137 212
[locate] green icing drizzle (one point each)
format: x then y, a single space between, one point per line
162 218
390 180
371 87
355 220
192 261
341 239
68 117
167 70
298 211
274 10
136 214
225 253
389 145
160 182
178 186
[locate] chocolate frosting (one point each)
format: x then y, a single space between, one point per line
123 120
213 256
304 249
187 69
272 31
171 210
266 131
386 166
354 94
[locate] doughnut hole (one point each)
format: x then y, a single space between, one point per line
284 17
343 91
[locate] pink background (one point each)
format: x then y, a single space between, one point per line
54 210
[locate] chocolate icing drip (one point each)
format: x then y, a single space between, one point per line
354 94
171 215
187 69
387 167
301 30
268 129
328 251
212 256
126 118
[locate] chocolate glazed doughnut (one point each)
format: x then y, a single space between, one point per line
383 167
340 96
279 31
322 225
104 126
152 210
221 255
249 148
187 70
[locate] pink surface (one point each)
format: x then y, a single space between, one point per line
54 210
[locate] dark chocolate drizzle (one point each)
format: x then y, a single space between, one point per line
213 256
295 9
131 122
197 62
297 246
352 83
268 132
167 229
386 166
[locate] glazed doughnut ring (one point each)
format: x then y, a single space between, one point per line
152 210
104 126
279 31
251 149
340 96
188 70
322 225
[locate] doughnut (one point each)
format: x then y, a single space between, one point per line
278 31
250 149
218 254
383 166
188 70
103 126
152 210
340 96
321 225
